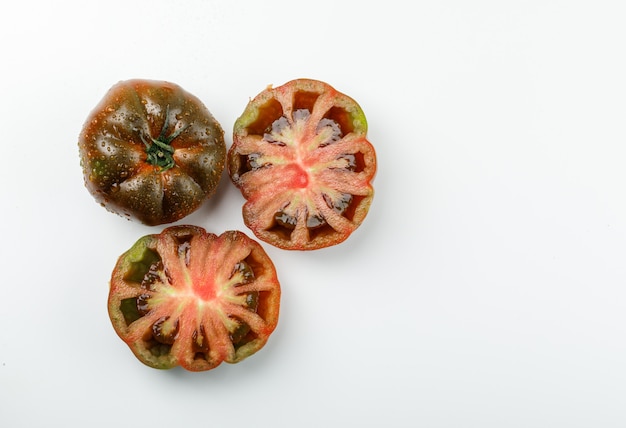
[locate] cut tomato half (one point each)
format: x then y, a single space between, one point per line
301 159
191 298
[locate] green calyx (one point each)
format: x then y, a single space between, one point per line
160 153
159 150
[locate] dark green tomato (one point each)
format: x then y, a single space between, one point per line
151 151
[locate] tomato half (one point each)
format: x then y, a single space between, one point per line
190 298
151 151
302 161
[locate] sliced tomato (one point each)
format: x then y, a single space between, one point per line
302 161
191 298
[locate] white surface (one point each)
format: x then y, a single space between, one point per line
486 288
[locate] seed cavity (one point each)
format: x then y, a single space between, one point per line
285 220
278 127
350 161
339 205
128 308
249 162
152 276
165 331
138 269
267 114
200 343
335 133
315 221
304 100
245 271
357 162
142 304
342 118
301 115
241 334
252 301
184 247
252 161
345 205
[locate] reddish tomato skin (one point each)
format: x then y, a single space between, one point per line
193 299
302 161
151 151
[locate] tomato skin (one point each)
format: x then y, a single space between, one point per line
151 151
189 298
301 159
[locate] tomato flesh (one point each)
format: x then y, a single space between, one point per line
301 159
190 298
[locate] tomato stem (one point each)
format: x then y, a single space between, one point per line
159 150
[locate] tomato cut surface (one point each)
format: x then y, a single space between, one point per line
191 298
151 151
301 159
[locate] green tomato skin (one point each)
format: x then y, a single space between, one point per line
151 151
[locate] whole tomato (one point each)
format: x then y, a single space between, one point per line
186 297
151 151
302 161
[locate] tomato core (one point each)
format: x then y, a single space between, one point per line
205 291
300 178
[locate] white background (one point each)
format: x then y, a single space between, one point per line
486 287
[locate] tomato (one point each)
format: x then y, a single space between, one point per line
302 161
151 151
190 298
